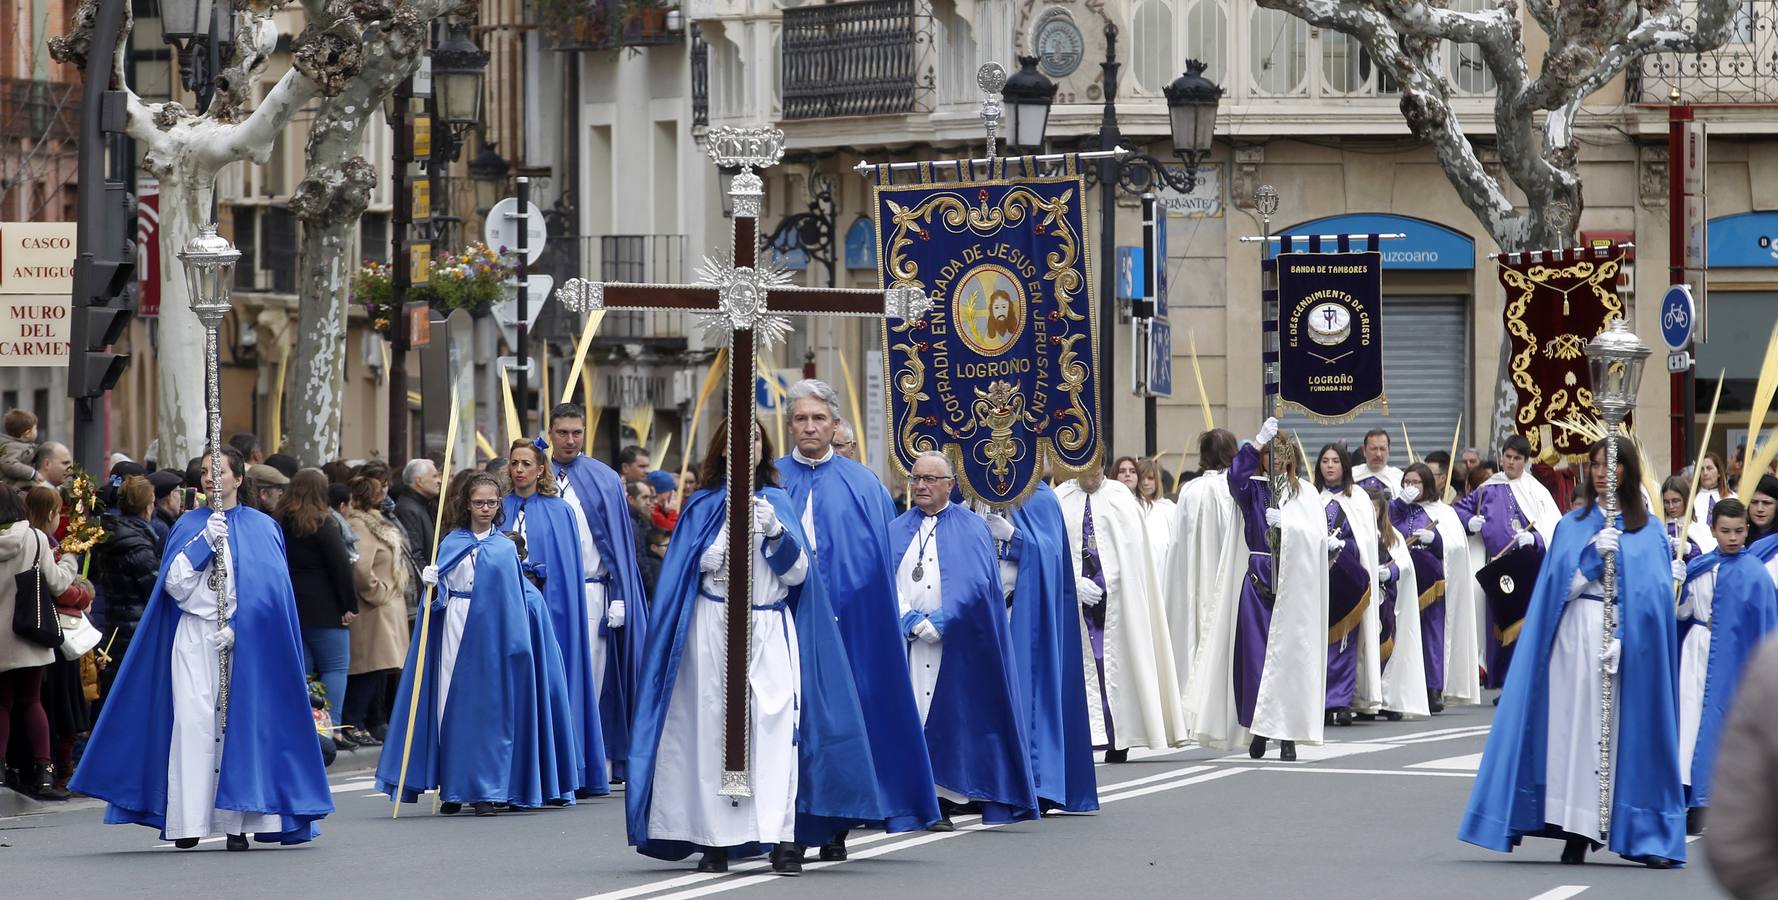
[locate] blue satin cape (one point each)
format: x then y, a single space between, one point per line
600 493
507 736
974 729
1046 649
552 541
1743 610
852 516
834 784
1648 800
271 760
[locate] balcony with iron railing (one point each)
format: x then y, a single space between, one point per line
635 258
39 110
860 58
1742 70
609 24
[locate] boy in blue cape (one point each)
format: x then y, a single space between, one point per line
845 513
1539 770
154 755
1727 608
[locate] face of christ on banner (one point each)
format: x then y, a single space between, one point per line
989 307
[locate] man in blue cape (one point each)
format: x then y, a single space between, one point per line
832 744
153 755
552 533
1047 654
617 602
505 735
960 654
1727 608
1521 769
845 512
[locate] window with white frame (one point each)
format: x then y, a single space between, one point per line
1205 24
1468 71
1278 48
1152 45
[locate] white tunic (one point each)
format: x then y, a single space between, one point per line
1571 789
194 759
458 583
594 568
922 595
688 770
1694 666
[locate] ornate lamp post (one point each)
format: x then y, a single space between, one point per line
457 67
209 274
204 33
1615 358
488 172
1027 99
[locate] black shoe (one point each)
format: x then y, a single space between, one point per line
1658 862
237 842
714 861
43 784
363 738
449 809
186 843
943 824
1115 755
342 738
584 794
787 859
556 802
1694 821
1257 748
1327 717
1435 701
1287 751
1343 718
484 809
1392 715
1367 717
1575 851
834 850
1496 699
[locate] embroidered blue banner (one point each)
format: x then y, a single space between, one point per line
1330 333
1002 376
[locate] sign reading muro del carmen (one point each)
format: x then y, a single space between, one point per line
36 281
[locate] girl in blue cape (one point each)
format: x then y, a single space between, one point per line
1538 773
809 755
492 724
1726 610
154 755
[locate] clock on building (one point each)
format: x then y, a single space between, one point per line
1058 43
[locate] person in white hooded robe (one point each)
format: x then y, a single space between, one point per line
1204 542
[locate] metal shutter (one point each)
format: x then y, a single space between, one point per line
1425 373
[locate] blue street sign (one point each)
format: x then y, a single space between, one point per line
1160 358
1678 312
1160 264
1130 272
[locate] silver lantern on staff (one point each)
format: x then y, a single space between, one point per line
209 261
1615 358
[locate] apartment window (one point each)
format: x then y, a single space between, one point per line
1152 45
40 407
1207 37
373 236
1279 46
1468 72
280 248
246 241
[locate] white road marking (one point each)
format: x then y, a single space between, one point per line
358 784
1423 735
1307 753
1478 731
1319 770
1561 893
1468 762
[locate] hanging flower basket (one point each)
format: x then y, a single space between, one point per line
472 280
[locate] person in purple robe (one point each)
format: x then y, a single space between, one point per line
1510 512
1427 550
1348 582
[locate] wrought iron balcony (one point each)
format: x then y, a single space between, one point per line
607 24
1743 70
636 258
40 110
862 58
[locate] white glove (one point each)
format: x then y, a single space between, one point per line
927 632
1334 544
216 527
223 639
1524 539
1384 574
1475 524
614 614
711 560
1266 432
1089 590
1409 493
765 519
429 576
998 526
1606 540
1608 658
1423 535
1678 570
1273 517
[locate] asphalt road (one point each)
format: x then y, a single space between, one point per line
1371 815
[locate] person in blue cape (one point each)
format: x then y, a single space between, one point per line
154 755
1726 610
960 652
1539 769
806 735
845 514
552 533
1047 653
616 600
492 725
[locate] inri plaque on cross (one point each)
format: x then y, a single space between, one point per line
745 303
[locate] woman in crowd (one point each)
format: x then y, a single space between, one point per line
64 697
1351 587
1125 470
1712 486
1691 536
379 635
23 663
1426 548
321 574
1158 513
492 725
1539 775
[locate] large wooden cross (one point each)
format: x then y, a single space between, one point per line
743 303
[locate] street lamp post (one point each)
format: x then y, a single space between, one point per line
400 270
488 172
204 33
457 71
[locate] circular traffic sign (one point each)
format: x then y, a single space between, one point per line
1678 312
501 228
